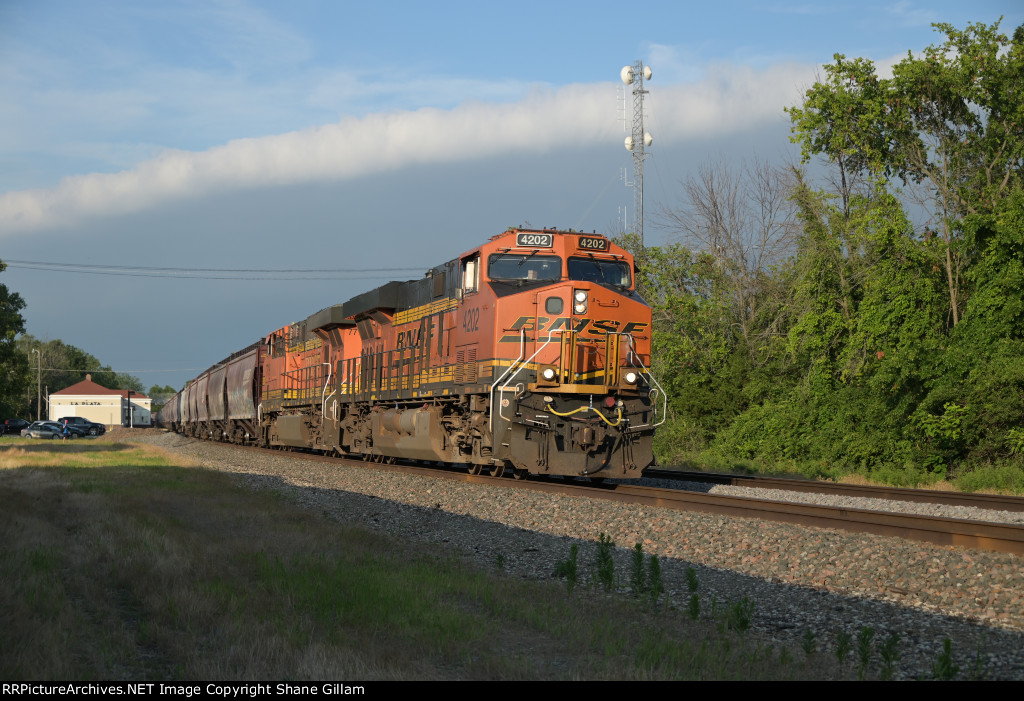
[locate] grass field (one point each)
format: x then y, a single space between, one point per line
121 562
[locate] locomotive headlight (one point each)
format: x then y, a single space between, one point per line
631 377
579 305
548 374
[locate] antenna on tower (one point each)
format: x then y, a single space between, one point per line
639 140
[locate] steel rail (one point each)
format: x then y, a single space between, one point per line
982 535
922 496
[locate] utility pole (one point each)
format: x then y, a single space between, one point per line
636 142
39 384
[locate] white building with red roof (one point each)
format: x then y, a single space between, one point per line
112 407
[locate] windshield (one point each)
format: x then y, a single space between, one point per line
524 266
607 272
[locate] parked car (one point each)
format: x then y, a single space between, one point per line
45 429
90 427
51 429
13 427
77 431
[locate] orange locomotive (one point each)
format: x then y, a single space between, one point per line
529 353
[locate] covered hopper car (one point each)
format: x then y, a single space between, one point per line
529 354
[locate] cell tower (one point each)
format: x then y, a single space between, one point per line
637 142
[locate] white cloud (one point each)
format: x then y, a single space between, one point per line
728 100
675 64
909 14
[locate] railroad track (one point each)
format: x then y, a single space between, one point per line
998 537
923 496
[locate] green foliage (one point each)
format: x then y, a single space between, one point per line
63 365
890 654
978 669
865 650
1001 476
898 352
871 346
697 355
569 568
740 615
1015 441
808 642
693 607
944 669
691 580
14 372
605 562
637 573
950 117
157 389
842 118
655 584
844 643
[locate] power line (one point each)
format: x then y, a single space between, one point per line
208 273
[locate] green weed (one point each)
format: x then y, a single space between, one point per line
944 669
569 568
605 562
741 615
844 643
693 607
977 670
808 642
890 654
655 584
637 573
865 650
691 580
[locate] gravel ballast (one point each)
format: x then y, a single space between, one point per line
798 578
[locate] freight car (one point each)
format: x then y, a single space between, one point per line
528 354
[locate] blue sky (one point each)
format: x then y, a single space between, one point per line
341 135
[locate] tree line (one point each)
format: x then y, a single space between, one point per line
873 321
29 365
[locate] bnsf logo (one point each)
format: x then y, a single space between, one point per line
584 327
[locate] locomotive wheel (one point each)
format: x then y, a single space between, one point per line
521 473
498 470
475 469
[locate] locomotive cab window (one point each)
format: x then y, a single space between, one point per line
524 266
601 271
470 274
